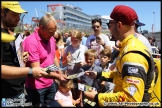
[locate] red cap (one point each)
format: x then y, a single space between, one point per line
124 14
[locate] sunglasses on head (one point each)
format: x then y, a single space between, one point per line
109 24
95 27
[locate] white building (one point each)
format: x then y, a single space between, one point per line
69 16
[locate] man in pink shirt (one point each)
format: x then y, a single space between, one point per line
41 48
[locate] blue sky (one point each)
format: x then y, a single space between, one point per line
144 10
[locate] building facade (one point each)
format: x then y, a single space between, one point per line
69 16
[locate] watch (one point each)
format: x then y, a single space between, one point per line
30 73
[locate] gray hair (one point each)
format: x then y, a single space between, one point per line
44 21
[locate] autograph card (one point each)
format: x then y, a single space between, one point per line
76 75
89 102
84 87
51 68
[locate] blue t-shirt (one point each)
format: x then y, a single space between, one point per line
85 79
84 39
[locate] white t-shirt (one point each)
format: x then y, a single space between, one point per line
77 53
65 97
144 40
91 42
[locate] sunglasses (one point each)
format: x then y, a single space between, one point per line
109 24
95 27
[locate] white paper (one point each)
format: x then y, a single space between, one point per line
80 86
19 50
84 87
112 43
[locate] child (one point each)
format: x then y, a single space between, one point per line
90 57
74 53
59 47
105 57
64 95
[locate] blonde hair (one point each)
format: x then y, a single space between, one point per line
59 41
68 85
77 34
44 21
106 51
91 52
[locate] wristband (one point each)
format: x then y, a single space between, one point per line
30 73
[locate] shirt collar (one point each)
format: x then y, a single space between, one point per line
123 43
38 37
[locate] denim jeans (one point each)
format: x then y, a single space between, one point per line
43 95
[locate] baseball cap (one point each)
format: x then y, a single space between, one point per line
7 37
139 23
124 14
13 6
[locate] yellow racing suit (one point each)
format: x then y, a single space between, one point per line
134 79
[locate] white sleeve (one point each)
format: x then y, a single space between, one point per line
107 40
86 48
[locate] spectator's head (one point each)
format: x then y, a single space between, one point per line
90 56
10 13
58 38
65 87
70 33
47 27
96 25
105 55
26 33
83 34
122 20
66 34
150 40
76 38
153 39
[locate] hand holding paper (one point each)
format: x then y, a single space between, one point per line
51 68
91 74
90 95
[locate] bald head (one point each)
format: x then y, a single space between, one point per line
44 21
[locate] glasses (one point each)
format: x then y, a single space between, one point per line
109 24
95 27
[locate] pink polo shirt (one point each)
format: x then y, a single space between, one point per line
39 51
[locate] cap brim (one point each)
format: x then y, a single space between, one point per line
140 24
18 10
109 18
7 37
